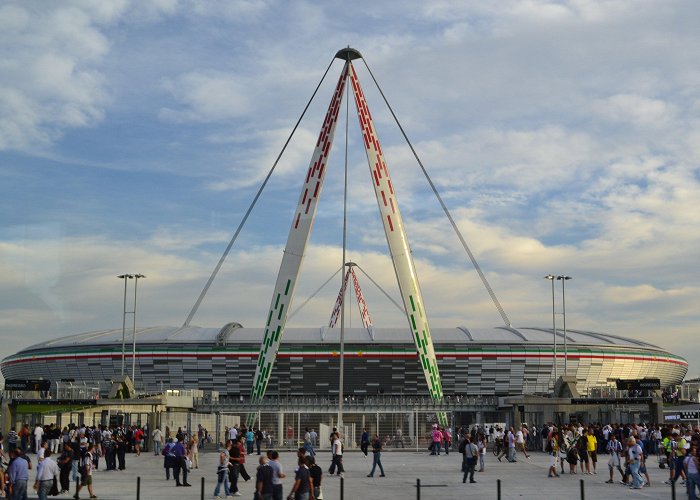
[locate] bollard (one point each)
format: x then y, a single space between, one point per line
417 489
583 490
673 490
498 489
342 487
138 488
202 497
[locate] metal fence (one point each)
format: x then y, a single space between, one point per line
287 430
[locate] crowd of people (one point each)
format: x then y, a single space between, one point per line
270 473
628 448
64 455
71 454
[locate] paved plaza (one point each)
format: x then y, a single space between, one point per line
440 478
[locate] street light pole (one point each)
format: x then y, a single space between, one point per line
133 349
563 278
551 278
124 277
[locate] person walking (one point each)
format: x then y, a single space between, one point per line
65 464
222 475
337 462
614 448
249 441
46 472
521 440
302 489
277 488
482 452
592 450
179 464
85 471
316 474
19 475
436 437
511 445
469 453
308 446
263 479
38 435
364 441
552 447
157 441
636 456
377 456
193 449
259 437
691 464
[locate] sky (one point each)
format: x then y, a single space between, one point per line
563 136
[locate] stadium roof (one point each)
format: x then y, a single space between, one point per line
235 333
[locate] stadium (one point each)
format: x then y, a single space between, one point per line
472 362
416 360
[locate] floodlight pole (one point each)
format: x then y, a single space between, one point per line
551 278
133 349
563 278
124 277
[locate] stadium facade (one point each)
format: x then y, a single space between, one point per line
472 362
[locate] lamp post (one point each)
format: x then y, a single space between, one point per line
551 278
563 278
133 351
124 277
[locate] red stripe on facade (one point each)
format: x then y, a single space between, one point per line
391 224
296 224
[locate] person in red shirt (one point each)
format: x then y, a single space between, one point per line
138 441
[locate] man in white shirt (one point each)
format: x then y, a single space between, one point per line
46 471
38 434
157 440
337 456
232 433
636 456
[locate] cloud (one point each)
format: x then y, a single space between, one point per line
207 97
50 82
563 136
637 110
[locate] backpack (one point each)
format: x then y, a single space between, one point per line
463 446
549 448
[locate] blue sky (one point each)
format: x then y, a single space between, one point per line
564 137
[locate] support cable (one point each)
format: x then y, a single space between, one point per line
444 207
313 295
250 208
341 380
398 306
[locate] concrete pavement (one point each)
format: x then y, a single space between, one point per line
440 478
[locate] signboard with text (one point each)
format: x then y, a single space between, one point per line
645 384
679 416
27 385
